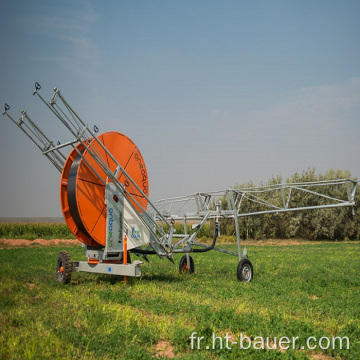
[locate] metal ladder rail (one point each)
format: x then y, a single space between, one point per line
161 245
57 155
110 174
69 108
76 132
32 131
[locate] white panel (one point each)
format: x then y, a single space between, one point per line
137 233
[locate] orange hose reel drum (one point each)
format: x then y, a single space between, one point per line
64 203
83 196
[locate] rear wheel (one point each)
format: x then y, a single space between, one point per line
185 267
245 270
63 268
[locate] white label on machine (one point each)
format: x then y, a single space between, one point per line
123 220
114 219
137 233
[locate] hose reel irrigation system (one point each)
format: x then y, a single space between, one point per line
104 199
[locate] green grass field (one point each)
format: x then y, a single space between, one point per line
33 231
297 291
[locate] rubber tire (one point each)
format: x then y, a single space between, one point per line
63 261
183 267
242 275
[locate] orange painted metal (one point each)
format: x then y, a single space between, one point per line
125 254
64 201
125 250
93 261
90 191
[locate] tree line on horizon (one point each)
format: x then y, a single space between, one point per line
319 224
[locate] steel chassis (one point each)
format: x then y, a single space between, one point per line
196 209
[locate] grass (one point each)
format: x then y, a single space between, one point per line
307 290
31 231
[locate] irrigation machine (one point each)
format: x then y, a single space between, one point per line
104 200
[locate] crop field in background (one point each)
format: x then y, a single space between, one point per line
305 290
33 231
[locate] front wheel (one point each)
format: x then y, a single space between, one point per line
63 268
245 270
185 267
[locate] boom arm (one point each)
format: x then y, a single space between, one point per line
159 216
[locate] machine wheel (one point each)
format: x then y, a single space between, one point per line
183 265
63 268
245 270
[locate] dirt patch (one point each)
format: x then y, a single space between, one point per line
15 243
30 286
277 242
11 243
164 349
227 240
287 242
321 357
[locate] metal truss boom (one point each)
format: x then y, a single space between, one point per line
198 208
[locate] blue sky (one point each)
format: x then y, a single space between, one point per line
213 93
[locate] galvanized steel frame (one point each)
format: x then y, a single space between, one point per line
205 206
160 216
